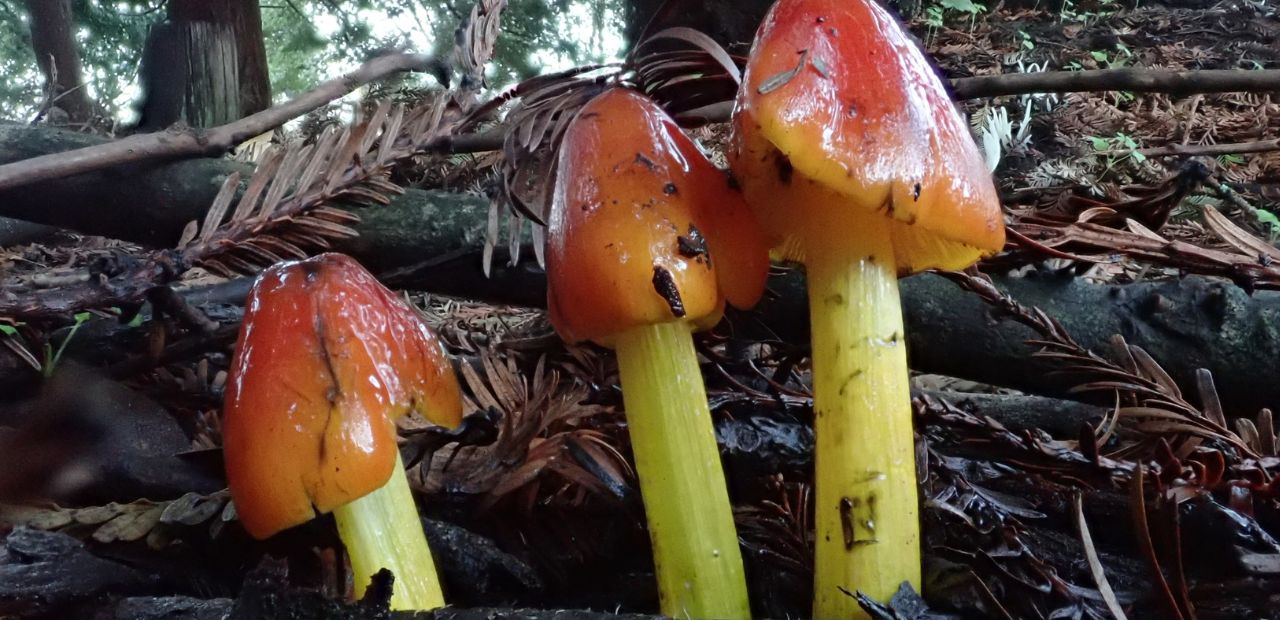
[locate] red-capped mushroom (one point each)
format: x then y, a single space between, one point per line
326 361
852 155
646 241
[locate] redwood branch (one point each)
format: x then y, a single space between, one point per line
1131 79
188 142
1234 148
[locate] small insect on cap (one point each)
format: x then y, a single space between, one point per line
840 117
327 359
643 228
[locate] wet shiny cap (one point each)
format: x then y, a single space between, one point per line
327 359
842 117
643 228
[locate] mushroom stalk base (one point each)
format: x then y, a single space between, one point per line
695 545
866 512
383 530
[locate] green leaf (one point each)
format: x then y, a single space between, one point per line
1138 157
1099 56
1099 144
8 330
81 317
1267 218
933 17
963 6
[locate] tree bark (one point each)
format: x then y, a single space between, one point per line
206 65
430 240
1186 324
213 74
731 23
17 232
151 204
53 40
244 17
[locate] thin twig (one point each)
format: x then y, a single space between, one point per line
1095 564
190 142
1147 547
1234 148
1136 80
1133 79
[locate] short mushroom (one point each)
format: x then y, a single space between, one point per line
850 152
646 241
327 359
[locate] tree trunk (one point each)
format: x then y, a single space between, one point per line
732 23
244 17
53 40
213 74
206 65
255 77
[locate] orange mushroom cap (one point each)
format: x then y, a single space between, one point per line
326 360
643 228
840 113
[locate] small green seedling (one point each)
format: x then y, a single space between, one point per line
51 357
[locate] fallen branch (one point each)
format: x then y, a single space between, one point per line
1252 270
1236 148
1133 79
190 142
1136 80
187 142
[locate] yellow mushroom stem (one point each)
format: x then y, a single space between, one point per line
695 545
383 530
867 526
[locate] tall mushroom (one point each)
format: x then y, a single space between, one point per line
646 241
849 150
327 359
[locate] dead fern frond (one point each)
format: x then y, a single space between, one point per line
285 211
546 444
1151 402
477 36
158 523
679 68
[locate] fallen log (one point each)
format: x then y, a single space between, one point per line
18 232
150 205
429 240
1186 324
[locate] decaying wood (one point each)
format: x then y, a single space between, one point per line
152 205
17 232
1132 79
430 240
1211 150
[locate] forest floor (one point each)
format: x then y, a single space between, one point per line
1147 494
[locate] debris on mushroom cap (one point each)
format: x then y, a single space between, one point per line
839 107
643 228
326 360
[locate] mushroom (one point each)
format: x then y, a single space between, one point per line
326 360
646 241
851 154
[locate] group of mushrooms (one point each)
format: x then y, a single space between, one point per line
847 156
